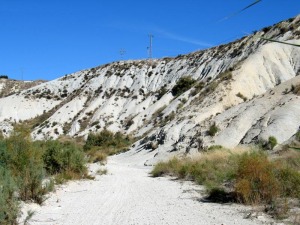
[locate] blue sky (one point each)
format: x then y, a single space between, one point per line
48 39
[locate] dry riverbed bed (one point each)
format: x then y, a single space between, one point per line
127 194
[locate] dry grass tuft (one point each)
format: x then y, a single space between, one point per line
97 156
256 179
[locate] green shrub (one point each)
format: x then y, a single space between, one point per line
182 85
4 155
213 129
9 205
266 29
25 162
296 89
214 170
108 142
61 157
24 166
94 123
3 77
240 95
272 142
297 136
100 139
30 182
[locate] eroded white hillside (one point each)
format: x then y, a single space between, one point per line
135 97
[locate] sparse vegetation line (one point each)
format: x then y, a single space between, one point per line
247 177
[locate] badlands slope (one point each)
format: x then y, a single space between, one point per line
246 93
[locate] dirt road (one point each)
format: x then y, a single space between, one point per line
128 195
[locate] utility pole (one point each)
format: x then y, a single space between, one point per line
150 46
122 53
22 73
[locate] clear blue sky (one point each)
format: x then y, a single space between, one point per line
48 39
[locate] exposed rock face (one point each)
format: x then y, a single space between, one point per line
243 88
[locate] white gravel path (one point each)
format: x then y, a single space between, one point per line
128 195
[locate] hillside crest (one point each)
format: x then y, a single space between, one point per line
244 89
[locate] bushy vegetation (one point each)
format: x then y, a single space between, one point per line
19 156
63 157
272 142
9 209
213 130
182 85
256 180
99 145
296 89
3 77
268 144
240 95
25 165
297 136
250 176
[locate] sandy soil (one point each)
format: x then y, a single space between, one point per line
128 195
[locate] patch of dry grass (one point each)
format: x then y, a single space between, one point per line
97 156
256 180
210 168
247 172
